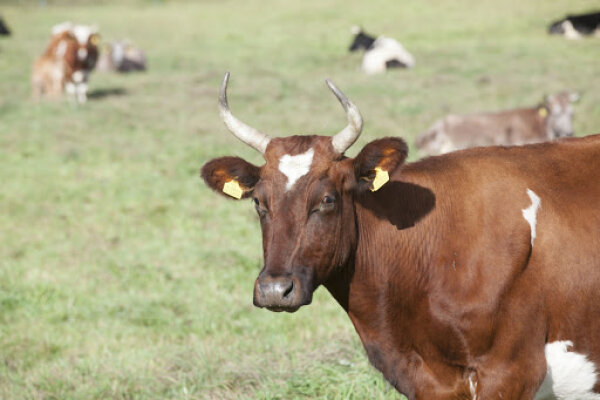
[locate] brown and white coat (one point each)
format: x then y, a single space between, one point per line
66 63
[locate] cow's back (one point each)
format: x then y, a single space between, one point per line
565 174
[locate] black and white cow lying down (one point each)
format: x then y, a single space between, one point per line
381 53
576 26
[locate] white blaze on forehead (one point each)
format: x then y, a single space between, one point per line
82 33
570 375
295 167
82 53
530 213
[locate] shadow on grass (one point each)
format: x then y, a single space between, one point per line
101 93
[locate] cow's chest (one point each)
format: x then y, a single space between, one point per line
418 376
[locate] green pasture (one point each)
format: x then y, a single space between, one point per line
123 277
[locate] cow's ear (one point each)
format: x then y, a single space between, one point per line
376 162
230 176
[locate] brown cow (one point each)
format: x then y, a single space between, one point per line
550 120
473 275
67 62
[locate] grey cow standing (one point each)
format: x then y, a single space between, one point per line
550 120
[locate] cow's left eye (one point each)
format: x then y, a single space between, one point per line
328 200
262 211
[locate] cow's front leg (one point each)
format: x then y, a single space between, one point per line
82 92
71 90
81 87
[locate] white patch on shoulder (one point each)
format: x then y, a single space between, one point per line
295 167
530 213
61 49
570 375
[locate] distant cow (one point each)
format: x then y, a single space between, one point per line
575 26
67 62
4 31
122 56
469 276
380 53
550 120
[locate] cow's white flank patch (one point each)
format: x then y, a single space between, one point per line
295 167
530 213
570 375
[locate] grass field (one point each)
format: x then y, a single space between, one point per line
122 276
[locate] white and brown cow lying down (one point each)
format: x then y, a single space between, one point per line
472 275
550 120
67 62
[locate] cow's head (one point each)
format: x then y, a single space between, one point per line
304 197
361 40
87 45
559 110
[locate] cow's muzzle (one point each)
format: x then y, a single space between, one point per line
281 293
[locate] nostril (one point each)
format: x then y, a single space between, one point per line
288 290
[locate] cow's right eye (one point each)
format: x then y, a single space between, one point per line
256 202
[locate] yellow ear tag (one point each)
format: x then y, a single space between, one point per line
543 112
381 178
233 189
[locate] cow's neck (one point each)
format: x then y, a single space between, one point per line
384 290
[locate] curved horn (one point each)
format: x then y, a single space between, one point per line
347 136
245 133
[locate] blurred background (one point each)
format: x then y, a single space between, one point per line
122 276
